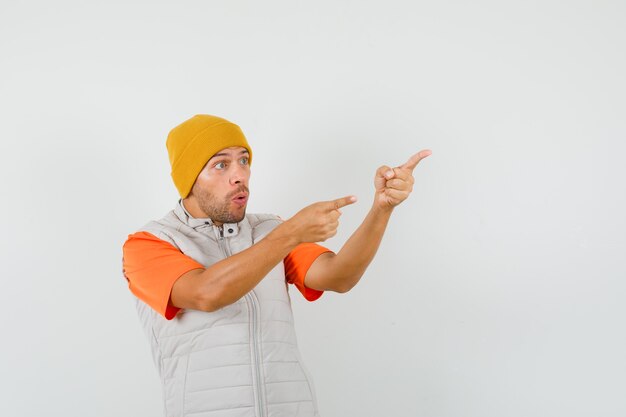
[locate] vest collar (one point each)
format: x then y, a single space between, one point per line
229 229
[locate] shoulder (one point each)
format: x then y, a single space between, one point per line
163 229
260 218
144 244
263 220
262 224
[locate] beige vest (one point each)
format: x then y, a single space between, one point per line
239 361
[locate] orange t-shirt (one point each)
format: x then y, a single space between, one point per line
152 265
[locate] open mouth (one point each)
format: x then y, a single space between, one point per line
240 198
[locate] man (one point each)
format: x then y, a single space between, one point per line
211 280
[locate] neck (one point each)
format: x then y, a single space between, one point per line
192 207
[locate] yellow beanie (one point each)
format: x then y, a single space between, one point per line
192 143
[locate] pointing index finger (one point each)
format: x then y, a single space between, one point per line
415 159
342 202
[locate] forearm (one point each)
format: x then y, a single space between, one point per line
357 253
346 268
228 280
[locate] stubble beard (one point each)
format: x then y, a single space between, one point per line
216 210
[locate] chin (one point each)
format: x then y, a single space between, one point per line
237 219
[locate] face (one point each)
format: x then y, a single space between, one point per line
221 189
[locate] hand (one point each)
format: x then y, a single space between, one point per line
393 185
319 221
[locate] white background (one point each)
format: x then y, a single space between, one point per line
499 287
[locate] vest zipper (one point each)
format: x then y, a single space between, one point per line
252 304
260 391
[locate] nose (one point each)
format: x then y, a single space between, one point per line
239 175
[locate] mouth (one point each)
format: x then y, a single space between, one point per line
241 198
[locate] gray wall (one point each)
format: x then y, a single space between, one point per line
499 287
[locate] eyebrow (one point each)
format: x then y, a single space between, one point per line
225 154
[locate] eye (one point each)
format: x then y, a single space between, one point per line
220 165
244 160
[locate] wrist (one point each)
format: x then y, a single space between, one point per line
285 233
382 209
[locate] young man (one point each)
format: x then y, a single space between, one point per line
211 280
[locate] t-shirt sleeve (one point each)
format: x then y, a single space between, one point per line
151 266
297 264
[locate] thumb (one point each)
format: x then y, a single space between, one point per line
384 172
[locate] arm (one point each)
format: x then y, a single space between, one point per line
343 271
228 280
